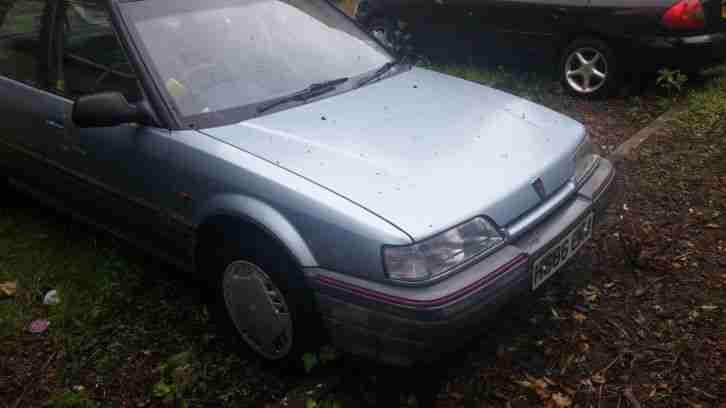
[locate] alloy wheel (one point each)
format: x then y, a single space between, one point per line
586 70
258 309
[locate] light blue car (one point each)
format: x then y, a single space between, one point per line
296 168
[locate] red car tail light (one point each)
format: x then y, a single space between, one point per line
685 15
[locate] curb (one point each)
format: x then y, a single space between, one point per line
630 145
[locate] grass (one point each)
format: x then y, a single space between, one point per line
22 17
120 316
532 85
124 318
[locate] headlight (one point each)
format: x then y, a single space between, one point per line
586 160
440 254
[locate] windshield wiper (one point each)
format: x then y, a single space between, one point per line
381 71
311 91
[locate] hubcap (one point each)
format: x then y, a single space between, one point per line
257 309
586 70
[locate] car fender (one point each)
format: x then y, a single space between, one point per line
264 216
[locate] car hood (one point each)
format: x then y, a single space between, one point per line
423 150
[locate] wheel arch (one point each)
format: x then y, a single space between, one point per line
249 214
566 39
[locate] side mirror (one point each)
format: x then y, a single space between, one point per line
110 109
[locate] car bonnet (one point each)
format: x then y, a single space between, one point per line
423 150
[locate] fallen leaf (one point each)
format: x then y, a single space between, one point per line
525 383
598 378
583 347
714 226
8 289
561 401
579 317
543 394
456 396
693 404
540 384
568 390
709 308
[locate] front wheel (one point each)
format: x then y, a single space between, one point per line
588 68
260 297
258 309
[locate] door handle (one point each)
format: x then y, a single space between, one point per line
55 124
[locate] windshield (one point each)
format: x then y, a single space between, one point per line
217 55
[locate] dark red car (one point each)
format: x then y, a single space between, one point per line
595 41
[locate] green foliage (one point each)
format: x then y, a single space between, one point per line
176 377
71 399
531 85
163 391
671 80
310 361
326 355
325 403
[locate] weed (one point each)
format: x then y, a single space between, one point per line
176 377
671 80
72 399
326 355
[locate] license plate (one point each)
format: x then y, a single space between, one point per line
557 256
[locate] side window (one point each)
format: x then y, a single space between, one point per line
94 60
20 39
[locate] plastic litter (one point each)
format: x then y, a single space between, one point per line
8 289
39 326
51 298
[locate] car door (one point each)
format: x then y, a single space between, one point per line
33 117
533 24
442 28
101 175
122 164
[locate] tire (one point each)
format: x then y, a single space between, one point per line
246 314
589 68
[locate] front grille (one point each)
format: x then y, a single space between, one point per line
538 214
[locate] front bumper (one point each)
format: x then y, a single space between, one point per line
694 52
402 325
